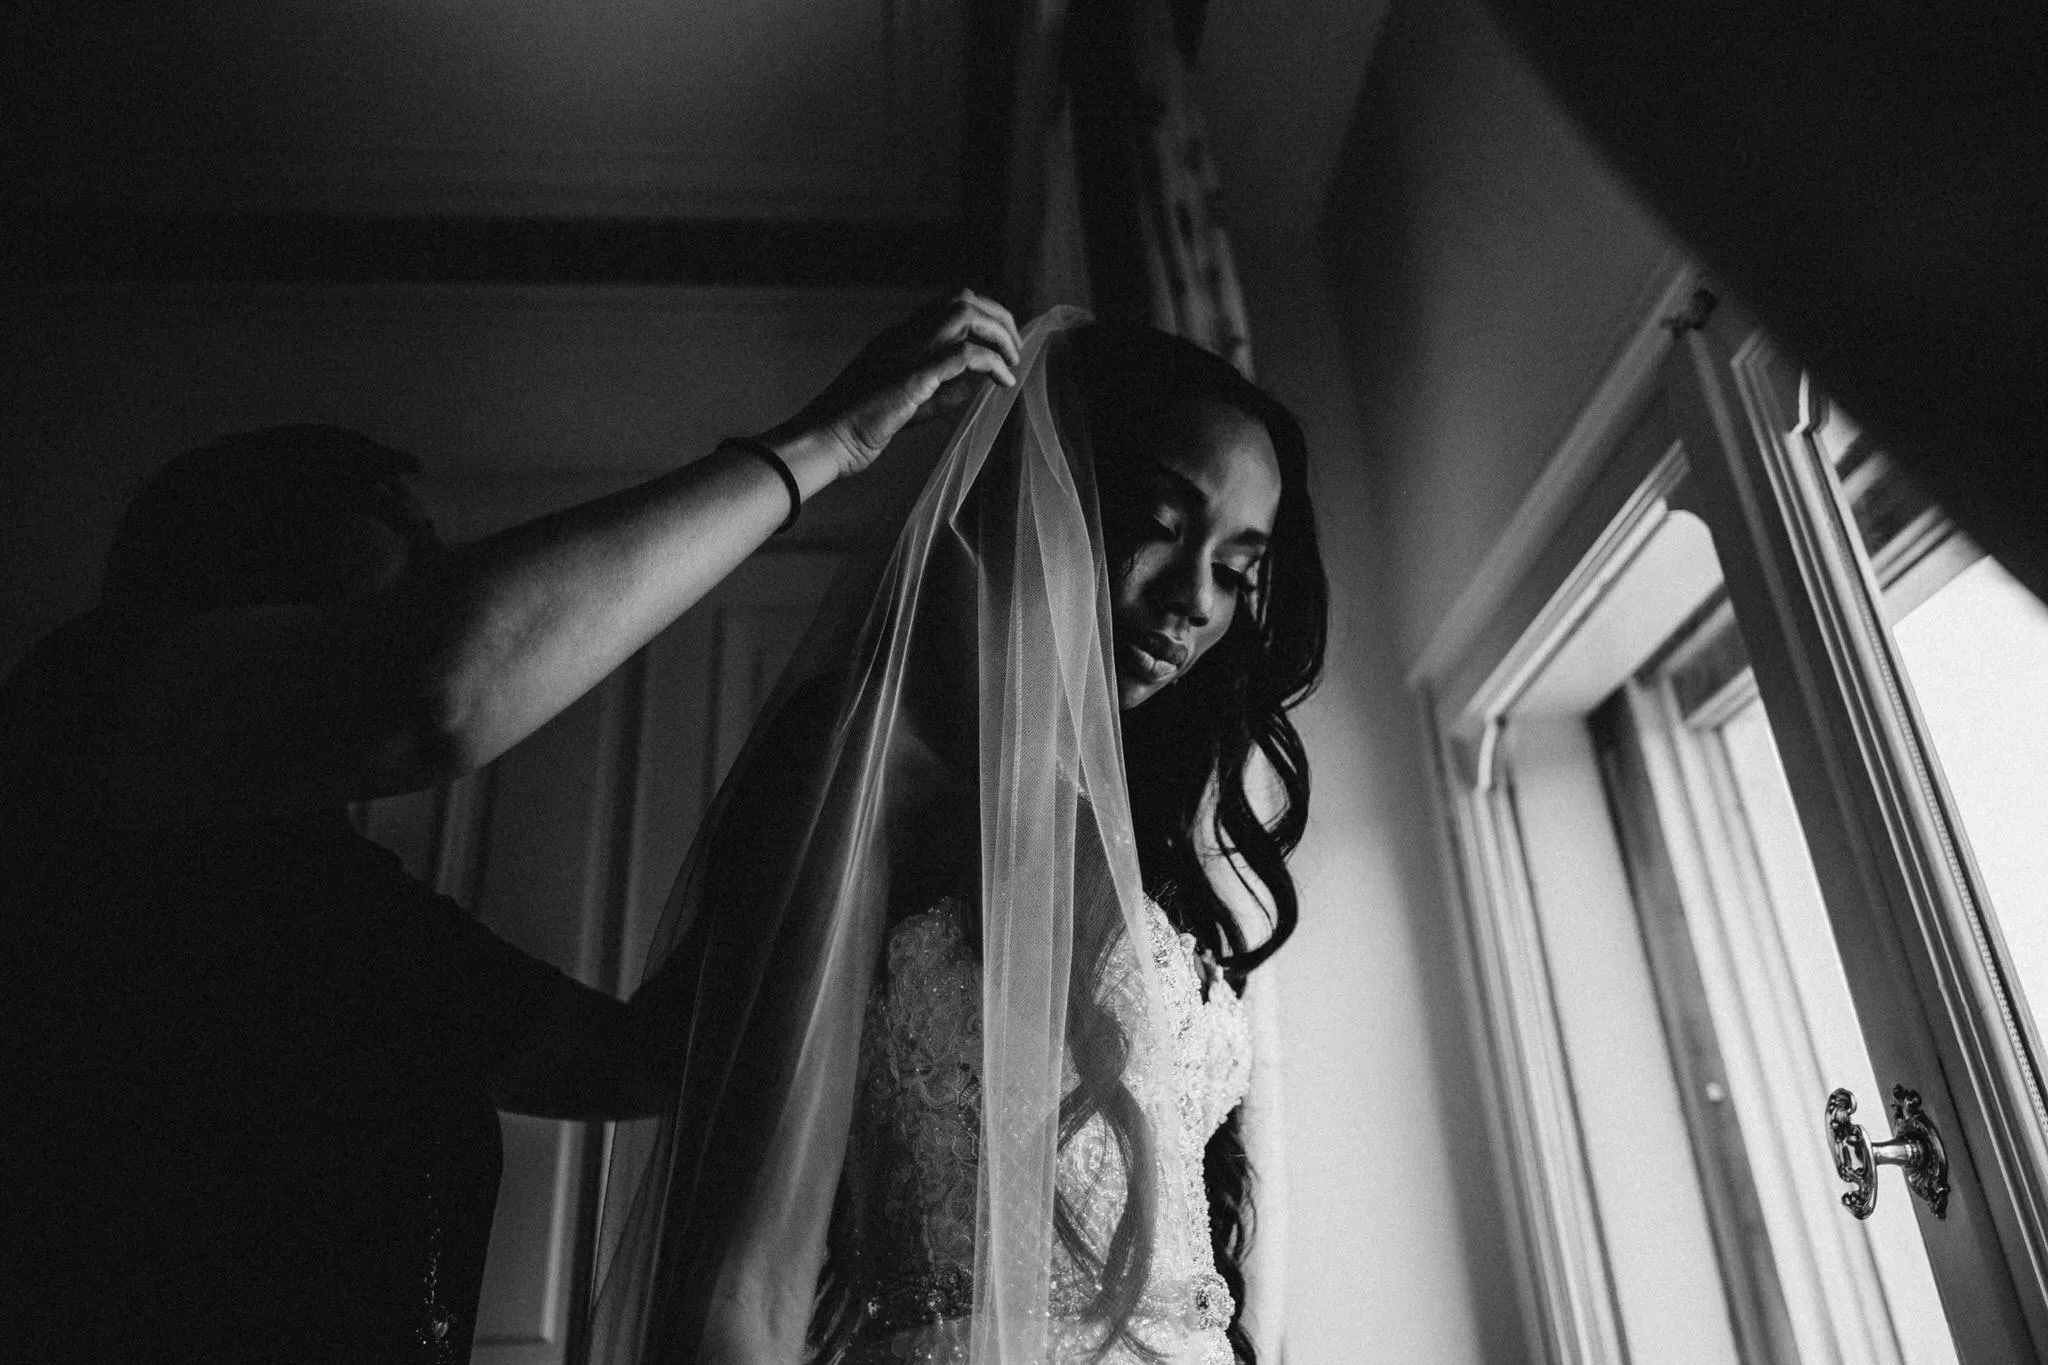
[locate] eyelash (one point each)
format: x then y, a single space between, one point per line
1237 581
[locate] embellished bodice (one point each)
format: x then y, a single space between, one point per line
913 1161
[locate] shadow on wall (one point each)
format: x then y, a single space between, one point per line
1396 1227
526 390
1488 267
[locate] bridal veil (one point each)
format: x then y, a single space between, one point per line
958 690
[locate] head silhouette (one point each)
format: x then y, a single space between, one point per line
289 514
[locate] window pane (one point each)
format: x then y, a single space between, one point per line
1974 647
1977 653
1772 828
1759 1014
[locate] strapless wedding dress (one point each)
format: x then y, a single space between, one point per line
916 1141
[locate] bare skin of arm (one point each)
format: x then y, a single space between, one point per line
257 712
253 713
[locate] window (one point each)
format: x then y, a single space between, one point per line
1972 645
1737 795
1757 1012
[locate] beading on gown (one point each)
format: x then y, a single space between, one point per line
907 1219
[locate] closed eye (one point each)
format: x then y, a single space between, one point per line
1236 579
1156 528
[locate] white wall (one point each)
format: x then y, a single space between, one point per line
1482 270
540 395
1488 267
1395 1252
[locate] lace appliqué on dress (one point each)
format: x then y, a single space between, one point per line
916 1145
914 1156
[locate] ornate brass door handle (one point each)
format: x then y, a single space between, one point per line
1915 1148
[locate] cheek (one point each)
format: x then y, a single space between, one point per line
1129 579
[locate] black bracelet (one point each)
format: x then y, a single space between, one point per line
766 453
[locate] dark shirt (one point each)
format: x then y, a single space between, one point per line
244 1095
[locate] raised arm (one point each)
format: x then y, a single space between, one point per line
260 711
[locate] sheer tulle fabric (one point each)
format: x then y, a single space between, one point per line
969 672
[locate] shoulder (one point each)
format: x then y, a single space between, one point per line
941 919
55 707
934 936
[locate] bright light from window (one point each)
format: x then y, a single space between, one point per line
1916 1317
1977 652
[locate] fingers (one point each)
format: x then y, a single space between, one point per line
962 360
988 310
971 334
929 363
993 336
989 363
948 383
968 314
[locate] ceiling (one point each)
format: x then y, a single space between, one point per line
1279 82
768 109
770 141
649 141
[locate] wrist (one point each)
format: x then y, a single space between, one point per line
814 458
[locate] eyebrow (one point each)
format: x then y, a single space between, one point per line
1186 491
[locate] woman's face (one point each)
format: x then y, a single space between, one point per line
1205 513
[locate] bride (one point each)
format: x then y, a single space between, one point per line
956 981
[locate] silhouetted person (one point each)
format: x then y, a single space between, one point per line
250 1064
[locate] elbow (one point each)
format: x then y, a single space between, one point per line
441 732
439 753
426 688
471 694
443 746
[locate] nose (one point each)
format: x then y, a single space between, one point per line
1189 590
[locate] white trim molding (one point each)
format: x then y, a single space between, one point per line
1912 932
1571 468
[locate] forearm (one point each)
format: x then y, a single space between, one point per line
510 630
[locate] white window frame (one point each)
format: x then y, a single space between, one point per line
1588 517
1891 859
1748 987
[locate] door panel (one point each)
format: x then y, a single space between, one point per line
567 846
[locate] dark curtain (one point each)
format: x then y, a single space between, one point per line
1871 180
1155 244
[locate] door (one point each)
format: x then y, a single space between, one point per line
567 846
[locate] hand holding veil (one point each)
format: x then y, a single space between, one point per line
971 672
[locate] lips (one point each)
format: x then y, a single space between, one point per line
1153 656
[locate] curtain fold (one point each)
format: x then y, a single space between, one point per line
1867 179
1133 224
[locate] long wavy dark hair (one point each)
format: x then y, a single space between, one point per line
1116 388
1190 749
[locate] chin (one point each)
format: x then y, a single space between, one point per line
1131 694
